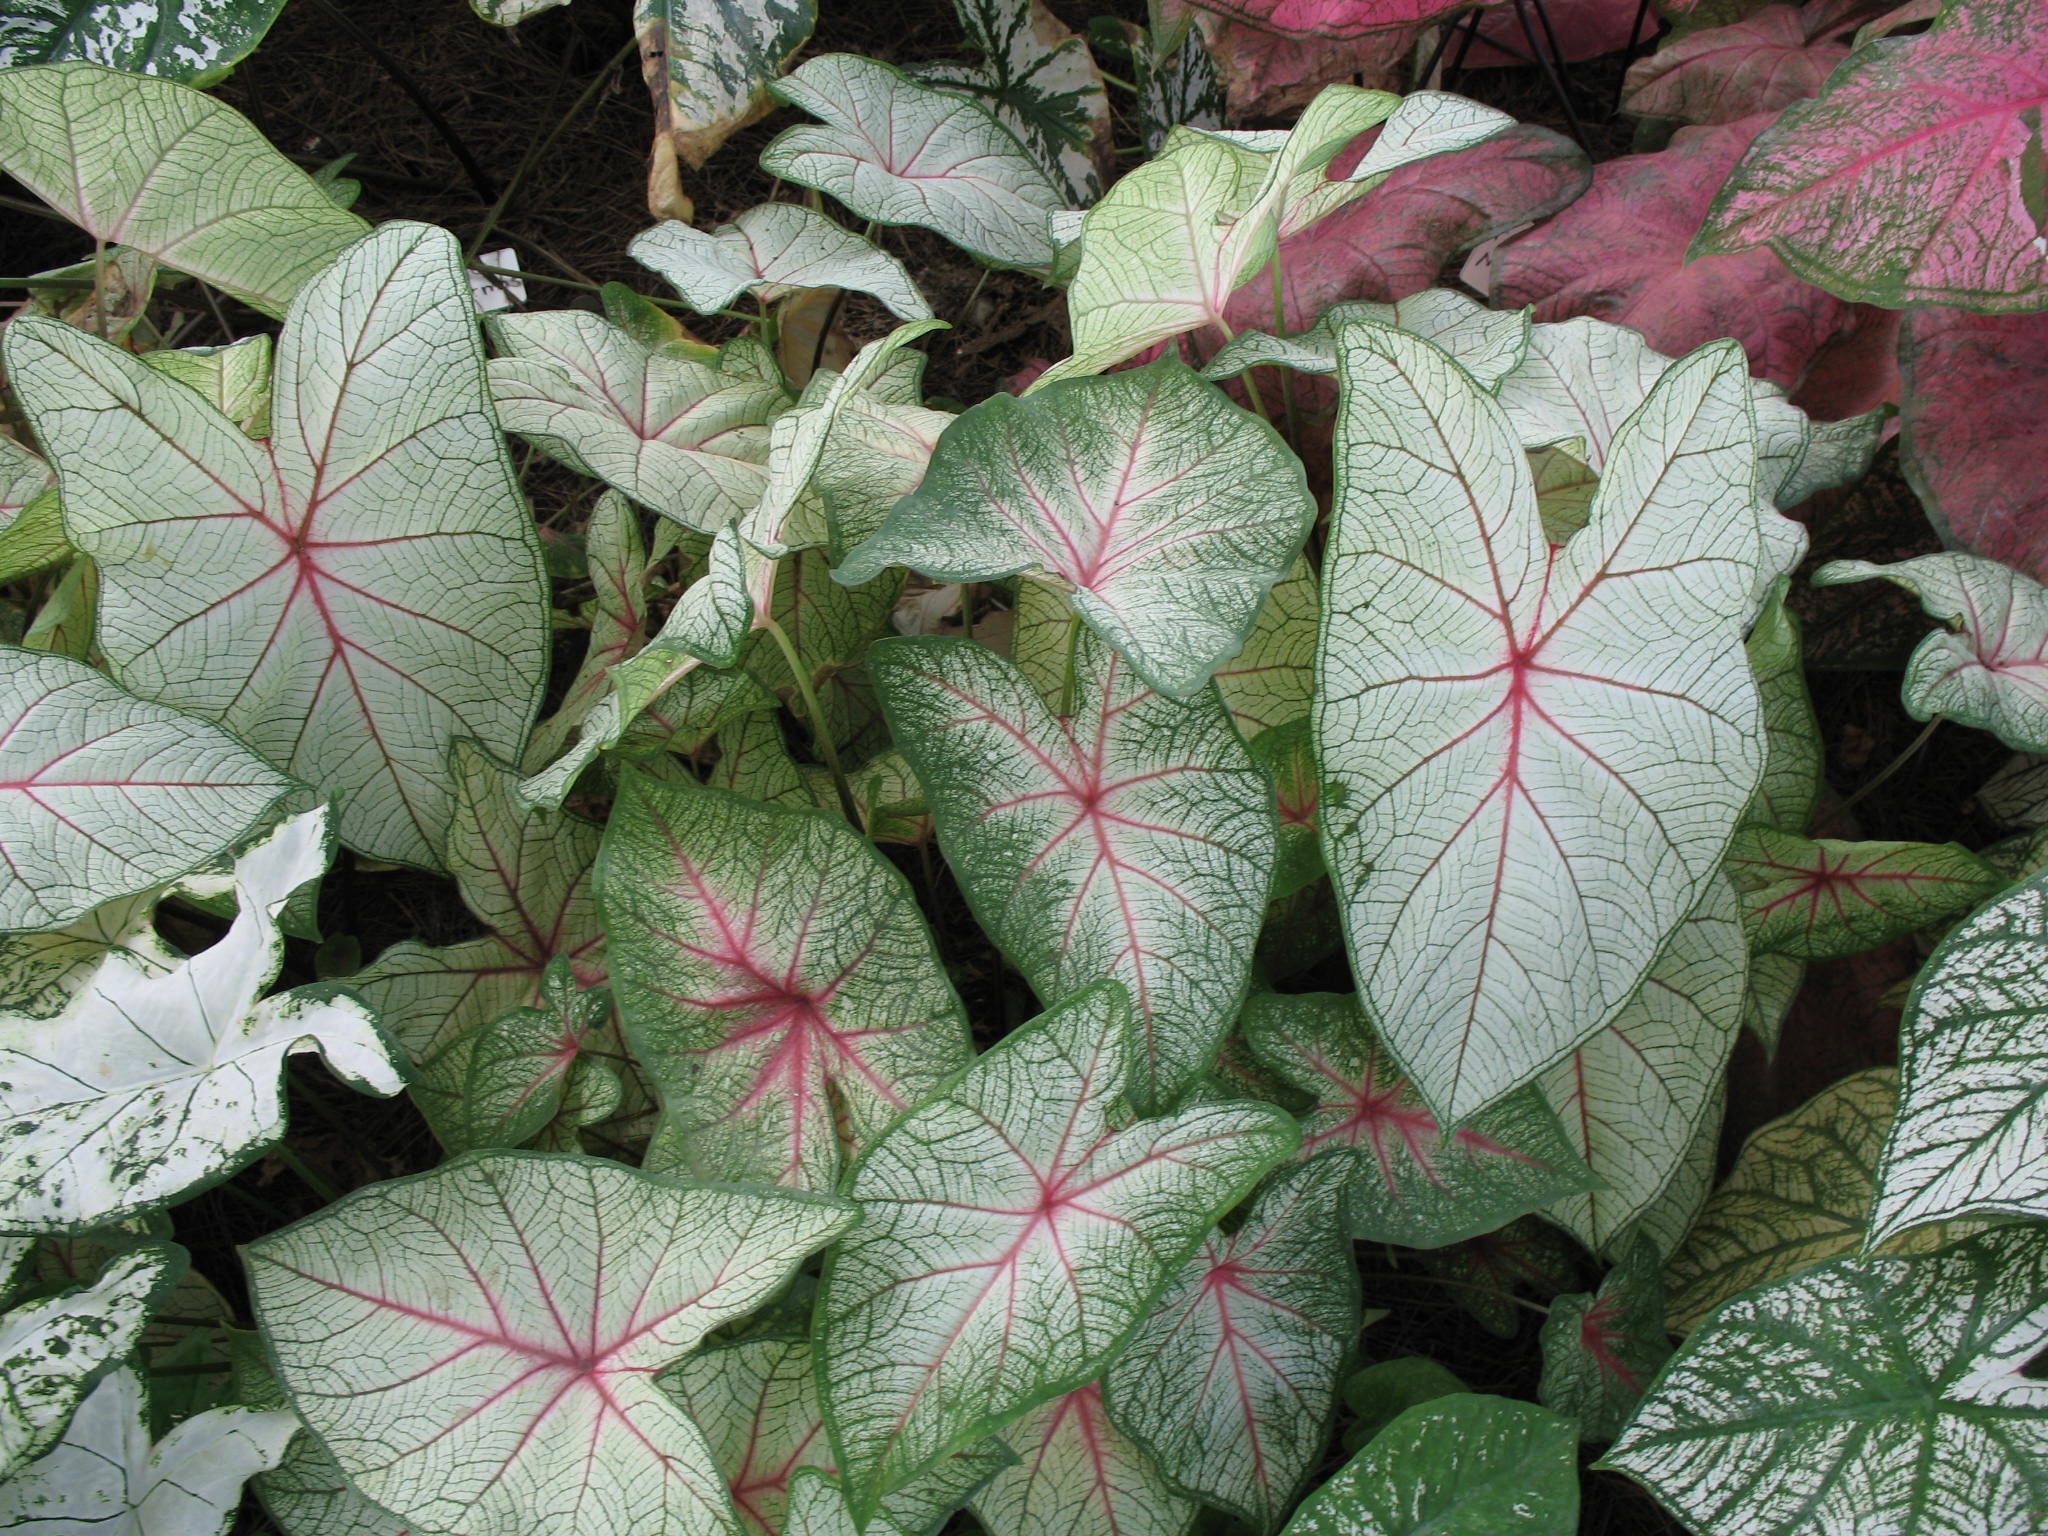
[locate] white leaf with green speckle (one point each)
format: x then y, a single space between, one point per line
769 250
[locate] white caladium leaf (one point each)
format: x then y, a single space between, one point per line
1012 1239
1631 1099
199 43
55 1350
153 1083
1509 873
1041 82
1601 1348
1272 679
769 250
477 1345
898 151
170 172
524 1068
817 1507
1077 1474
1774 983
1824 899
1133 840
1231 1383
105 1477
1462 1465
1489 344
709 64
305 1492
1894 1402
615 555
670 431
1169 512
1667 1219
104 795
1412 1182
778 982
40 971
235 379
1973 1091
321 615
31 520
1790 786
1991 671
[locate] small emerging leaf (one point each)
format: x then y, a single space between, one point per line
1601 1349
1824 900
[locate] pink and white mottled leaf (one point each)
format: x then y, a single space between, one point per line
1533 756
1412 1182
353 595
104 795
1601 1348
1826 899
1231 1384
477 1345
1013 1239
1077 1474
777 980
1763 63
1134 839
770 250
1916 176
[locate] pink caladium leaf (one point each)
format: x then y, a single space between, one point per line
477 1346
1412 1182
1232 1382
1582 29
1333 18
778 982
1825 900
1762 63
1264 74
1013 1239
1132 839
1600 1350
355 594
1620 253
1974 421
1916 176
1077 1474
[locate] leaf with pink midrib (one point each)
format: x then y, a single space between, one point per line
1077 1474
1825 899
1600 1350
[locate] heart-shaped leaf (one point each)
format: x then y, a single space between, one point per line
1667 1219
177 42
165 170
1413 1183
1761 63
153 1083
1487 343
1824 900
1381 1393
769 250
1077 1474
1012 1239
1894 1401
1232 1382
897 151
103 795
1502 903
1992 670
355 595
1133 839
777 980
1915 177
499 1376
1601 1348
1168 510
710 66
525 1067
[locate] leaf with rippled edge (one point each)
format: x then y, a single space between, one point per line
1991 669
1412 1182
353 595
898 151
1013 1239
770 250
477 1345
1231 1384
40 971
1503 901
1894 1402
1133 840
104 795
1600 1348
777 980
1077 1474
1824 899
165 170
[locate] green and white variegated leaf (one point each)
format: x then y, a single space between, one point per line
105 1477
55 1350
1077 1474
1412 1182
1231 1384
1176 80
615 555
710 63
31 520
168 171
355 595
525 1067
1041 82
1509 870
777 980
1790 786
757 1403
817 1507
673 433
1489 344
1169 511
1601 1348
40 971
235 379
1774 983
1272 679
1289 756
897 151
1463 1465
1824 899
509 13
1631 1099
1668 1218
1890 1401
1991 669
1972 1124
829 625
305 1493
1013 1239
1134 839
1381 1393
64 625
104 795
477 1345
769 250
153 1083
174 39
